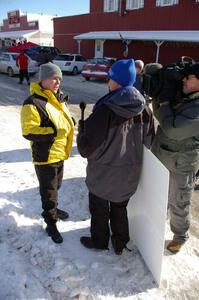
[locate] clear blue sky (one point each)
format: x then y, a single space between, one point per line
50 7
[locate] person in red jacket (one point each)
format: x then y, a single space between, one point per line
22 62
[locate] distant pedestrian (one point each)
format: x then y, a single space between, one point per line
22 62
139 65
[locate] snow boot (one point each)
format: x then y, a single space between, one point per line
196 188
87 242
174 246
62 215
53 232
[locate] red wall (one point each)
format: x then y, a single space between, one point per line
137 50
96 6
183 16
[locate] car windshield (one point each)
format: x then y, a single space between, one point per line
101 61
32 50
64 57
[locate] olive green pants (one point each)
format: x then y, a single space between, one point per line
181 187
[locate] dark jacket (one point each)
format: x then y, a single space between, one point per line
112 141
176 143
139 83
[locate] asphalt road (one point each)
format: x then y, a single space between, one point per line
78 89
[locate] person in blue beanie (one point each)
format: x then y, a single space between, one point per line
111 139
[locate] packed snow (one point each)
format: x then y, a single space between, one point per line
34 267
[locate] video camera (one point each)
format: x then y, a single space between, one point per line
165 82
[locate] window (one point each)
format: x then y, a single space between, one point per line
14 56
110 5
166 2
5 57
80 58
64 57
134 4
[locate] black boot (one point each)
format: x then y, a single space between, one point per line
117 246
62 215
88 243
52 231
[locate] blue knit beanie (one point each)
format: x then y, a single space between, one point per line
123 72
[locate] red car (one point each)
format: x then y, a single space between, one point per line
98 68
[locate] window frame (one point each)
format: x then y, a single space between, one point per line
130 5
161 3
107 5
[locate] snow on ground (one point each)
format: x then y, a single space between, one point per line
33 267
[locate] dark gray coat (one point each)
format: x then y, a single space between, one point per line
112 141
176 143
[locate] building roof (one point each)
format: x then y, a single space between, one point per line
164 35
17 34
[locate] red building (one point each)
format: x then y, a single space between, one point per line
152 30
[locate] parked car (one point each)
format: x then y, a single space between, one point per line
43 54
19 47
98 68
69 62
8 64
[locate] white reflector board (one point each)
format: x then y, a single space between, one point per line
147 210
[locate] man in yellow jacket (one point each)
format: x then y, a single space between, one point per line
47 123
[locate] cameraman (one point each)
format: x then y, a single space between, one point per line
176 144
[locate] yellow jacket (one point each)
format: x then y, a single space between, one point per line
47 123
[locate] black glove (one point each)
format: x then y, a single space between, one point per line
81 126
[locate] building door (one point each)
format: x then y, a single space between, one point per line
99 48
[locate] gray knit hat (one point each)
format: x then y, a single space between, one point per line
49 70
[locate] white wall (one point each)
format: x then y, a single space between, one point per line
42 39
45 21
45 35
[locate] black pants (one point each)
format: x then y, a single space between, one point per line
22 74
101 212
50 179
